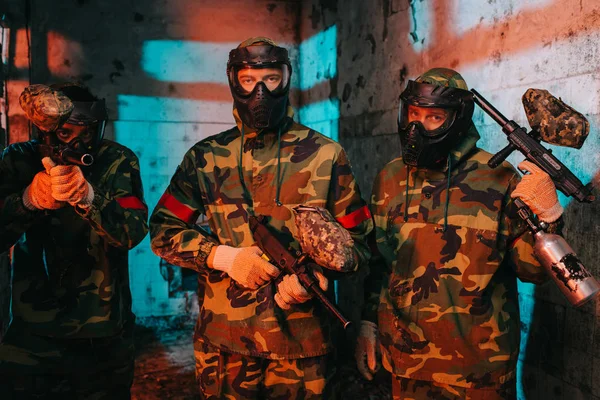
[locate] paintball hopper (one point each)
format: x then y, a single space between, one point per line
554 121
45 107
324 239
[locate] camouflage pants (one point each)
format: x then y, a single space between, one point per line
410 389
35 367
222 375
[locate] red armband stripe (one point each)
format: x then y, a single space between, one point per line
355 218
131 202
180 210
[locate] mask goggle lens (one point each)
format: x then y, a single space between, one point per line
276 78
435 120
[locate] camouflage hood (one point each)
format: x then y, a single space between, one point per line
465 146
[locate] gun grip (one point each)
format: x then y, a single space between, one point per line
500 156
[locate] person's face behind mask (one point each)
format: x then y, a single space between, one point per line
431 118
249 77
69 132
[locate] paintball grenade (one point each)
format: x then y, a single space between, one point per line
554 122
48 110
293 262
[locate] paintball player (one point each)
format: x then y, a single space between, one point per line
441 298
257 335
71 227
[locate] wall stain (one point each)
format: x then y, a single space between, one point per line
347 92
371 40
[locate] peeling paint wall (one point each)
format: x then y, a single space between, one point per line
502 47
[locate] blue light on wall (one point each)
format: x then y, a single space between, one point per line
181 61
488 12
186 61
317 58
421 18
322 117
144 108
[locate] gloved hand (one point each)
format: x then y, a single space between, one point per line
69 184
367 349
537 190
290 290
244 265
38 195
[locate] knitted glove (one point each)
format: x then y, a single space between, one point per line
244 265
367 348
69 184
38 195
290 290
537 190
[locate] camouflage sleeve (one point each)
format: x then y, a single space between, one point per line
347 206
519 241
378 270
15 218
172 223
118 213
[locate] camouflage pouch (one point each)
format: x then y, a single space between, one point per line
556 122
45 107
324 239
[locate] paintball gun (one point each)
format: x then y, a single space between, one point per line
553 252
519 139
64 154
292 262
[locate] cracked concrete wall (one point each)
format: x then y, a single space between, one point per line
502 47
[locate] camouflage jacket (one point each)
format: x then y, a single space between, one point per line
446 299
314 170
70 266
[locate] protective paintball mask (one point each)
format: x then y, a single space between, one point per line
259 79
93 116
422 145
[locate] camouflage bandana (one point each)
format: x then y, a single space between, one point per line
556 122
324 239
257 40
443 77
46 108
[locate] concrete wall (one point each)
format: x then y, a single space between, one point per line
502 47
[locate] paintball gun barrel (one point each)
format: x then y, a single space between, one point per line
63 154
